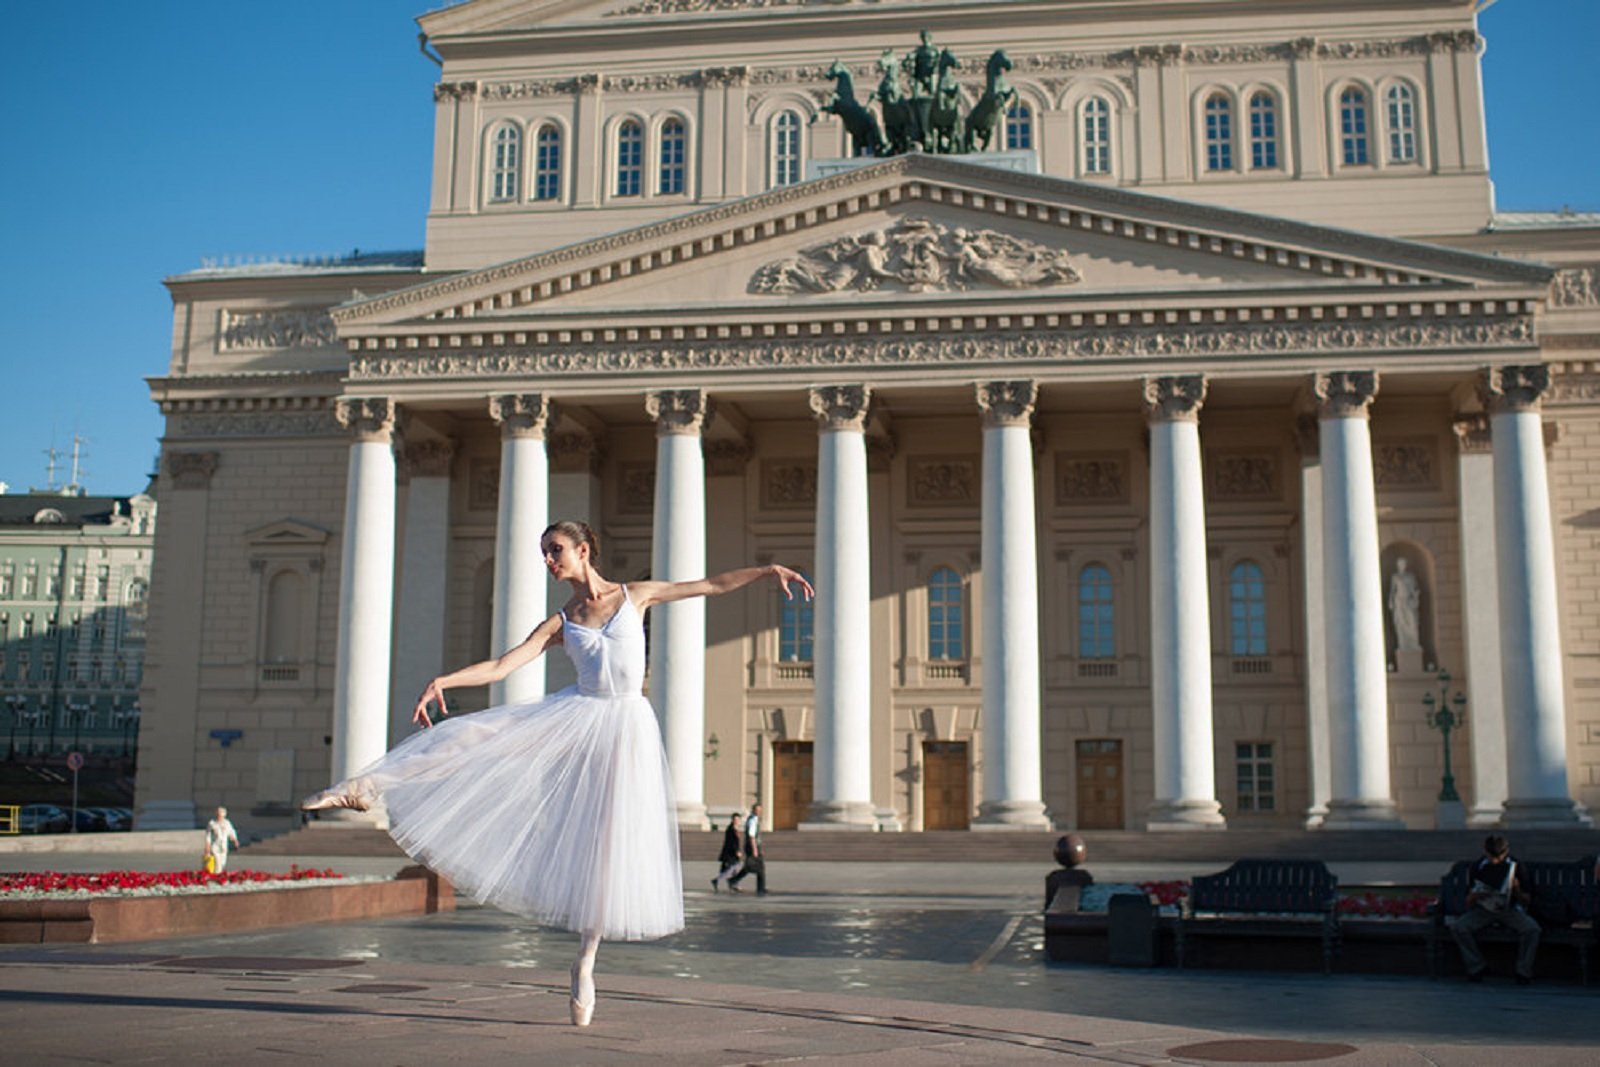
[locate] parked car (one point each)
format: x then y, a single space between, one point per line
42 819
89 820
116 818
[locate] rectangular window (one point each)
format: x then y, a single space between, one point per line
1263 133
1097 137
1353 127
103 584
1253 764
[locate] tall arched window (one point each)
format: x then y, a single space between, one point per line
671 179
1219 132
946 639
1247 610
794 629
1019 127
1401 105
283 618
547 162
786 148
630 159
1096 613
1353 128
1096 136
1263 131
506 163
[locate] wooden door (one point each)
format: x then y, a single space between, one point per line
791 783
1100 785
944 786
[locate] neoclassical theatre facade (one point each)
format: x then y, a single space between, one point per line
1206 453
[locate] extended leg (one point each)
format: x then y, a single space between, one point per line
583 995
1463 928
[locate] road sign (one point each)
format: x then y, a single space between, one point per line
74 761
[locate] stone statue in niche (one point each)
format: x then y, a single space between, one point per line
1405 608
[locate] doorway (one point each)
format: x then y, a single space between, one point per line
945 797
1100 785
791 783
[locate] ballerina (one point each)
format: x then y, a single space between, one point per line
560 810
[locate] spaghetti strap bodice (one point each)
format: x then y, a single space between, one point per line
609 658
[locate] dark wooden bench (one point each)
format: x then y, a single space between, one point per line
1263 898
1565 903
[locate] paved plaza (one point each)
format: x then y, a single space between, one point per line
841 963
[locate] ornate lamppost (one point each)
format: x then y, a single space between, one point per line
1445 713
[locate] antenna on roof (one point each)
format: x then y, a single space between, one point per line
51 455
75 487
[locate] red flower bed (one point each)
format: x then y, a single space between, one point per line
1359 905
130 881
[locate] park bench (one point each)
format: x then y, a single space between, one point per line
1565 903
1262 898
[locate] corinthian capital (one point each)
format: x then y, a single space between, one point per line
520 414
1345 394
368 418
678 411
841 407
1174 399
1007 403
1515 388
191 470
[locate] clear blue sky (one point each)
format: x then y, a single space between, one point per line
142 137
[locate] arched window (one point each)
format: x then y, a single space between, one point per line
1019 127
1096 613
945 637
1247 611
283 618
1263 131
670 181
794 629
547 163
506 163
1219 133
786 148
1401 105
1353 127
1096 136
630 159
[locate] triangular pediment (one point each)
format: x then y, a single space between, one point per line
917 231
479 18
286 533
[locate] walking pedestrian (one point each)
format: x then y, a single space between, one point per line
755 861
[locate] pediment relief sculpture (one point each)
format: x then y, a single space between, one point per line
917 255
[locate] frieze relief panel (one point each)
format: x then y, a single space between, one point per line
1576 287
636 488
1091 478
918 255
941 481
788 484
1244 476
483 484
255 424
282 328
1409 464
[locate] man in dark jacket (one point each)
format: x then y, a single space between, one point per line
755 861
731 858
1496 896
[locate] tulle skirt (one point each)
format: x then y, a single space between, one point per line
560 810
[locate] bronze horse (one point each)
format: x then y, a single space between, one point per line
997 96
945 127
865 133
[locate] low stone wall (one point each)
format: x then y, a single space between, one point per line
190 842
105 920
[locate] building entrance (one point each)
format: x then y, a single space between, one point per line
791 783
945 796
1100 785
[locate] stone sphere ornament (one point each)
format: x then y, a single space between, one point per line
1071 851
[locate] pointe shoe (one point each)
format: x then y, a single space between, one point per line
330 798
581 1012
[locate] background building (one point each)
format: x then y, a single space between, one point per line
1150 470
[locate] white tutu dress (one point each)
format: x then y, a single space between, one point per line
559 810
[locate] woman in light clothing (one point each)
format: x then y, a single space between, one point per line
219 835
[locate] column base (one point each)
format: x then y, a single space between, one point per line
167 815
840 815
1362 815
1003 815
1315 816
1185 815
1450 815
1486 817
693 816
1552 814
888 820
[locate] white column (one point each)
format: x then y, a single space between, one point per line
1180 613
678 631
366 588
1013 787
842 645
1357 672
523 514
1530 620
424 567
1481 616
576 453
1316 674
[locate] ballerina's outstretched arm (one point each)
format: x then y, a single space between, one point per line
647 593
545 635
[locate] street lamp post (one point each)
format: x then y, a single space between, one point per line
1445 713
16 701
